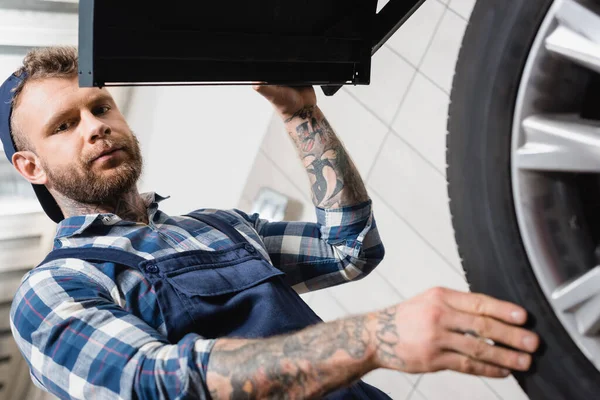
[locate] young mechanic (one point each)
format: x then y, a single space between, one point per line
133 303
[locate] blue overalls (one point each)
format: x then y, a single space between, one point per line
233 292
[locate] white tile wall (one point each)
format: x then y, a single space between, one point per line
411 265
444 50
412 39
390 78
418 194
362 131
395 131
462 7
424 127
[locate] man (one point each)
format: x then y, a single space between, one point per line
136 304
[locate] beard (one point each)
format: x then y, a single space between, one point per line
84 185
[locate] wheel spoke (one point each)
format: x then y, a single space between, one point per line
575 47
579 19
577 36
578 290
581 296
588 317
559 143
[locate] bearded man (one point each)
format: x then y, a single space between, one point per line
133 303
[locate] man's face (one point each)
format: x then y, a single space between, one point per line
84 145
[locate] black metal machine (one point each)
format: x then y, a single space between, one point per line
286 42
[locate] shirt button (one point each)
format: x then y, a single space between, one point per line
250 248
152 269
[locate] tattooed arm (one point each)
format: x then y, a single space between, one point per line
423 334
335 181
303 365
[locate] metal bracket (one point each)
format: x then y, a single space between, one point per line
387 21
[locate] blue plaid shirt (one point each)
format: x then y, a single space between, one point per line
95 331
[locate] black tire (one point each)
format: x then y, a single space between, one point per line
493 55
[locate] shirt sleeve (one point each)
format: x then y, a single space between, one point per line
80 344
343 245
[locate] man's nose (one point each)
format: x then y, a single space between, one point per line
93 128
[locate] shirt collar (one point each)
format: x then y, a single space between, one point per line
78 224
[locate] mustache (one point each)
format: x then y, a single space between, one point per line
103 147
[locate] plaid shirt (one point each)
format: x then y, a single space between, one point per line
95 331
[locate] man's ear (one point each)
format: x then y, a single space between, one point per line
29 166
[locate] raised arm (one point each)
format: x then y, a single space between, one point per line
344 245
335 180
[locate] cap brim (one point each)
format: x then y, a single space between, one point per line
48 203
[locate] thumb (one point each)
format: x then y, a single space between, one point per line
269 92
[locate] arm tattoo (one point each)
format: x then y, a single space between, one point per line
302 113
304 365
334 177
388 339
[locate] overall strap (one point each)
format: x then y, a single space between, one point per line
96 254
220 225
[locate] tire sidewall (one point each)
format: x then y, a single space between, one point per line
491 62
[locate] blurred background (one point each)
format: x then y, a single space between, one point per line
394 129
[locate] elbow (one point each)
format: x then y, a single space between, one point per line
372 250
372 257
360 267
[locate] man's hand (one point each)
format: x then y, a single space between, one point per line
423 334
427 334
288 101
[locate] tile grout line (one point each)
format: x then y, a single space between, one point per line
486 383
368 176
409 87
429 244
339 303
415 388
395 116
453 11
439 171
391 130
388 126
388 284
437 85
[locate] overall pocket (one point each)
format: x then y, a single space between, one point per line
220 280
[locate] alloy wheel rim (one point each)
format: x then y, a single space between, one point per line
551 138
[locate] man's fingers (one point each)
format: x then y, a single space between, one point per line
461 363
481 351
490 328
481 304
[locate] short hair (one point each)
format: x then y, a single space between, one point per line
42 63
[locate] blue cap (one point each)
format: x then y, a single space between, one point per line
6 98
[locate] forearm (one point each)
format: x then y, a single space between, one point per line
303 365
334 177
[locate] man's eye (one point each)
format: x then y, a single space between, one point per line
101 110
63 127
